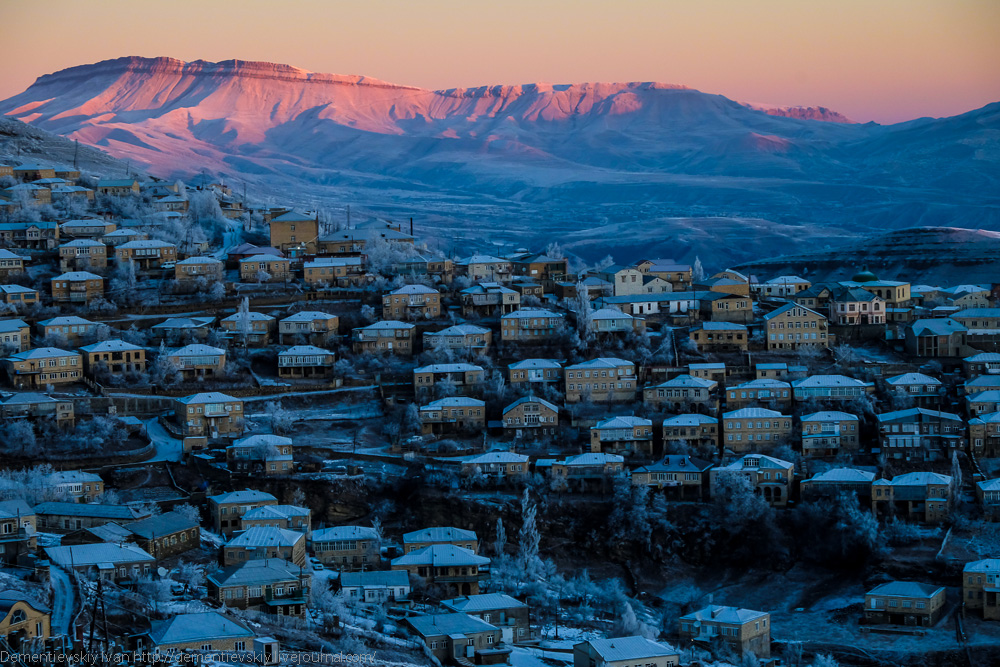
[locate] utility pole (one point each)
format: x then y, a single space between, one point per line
76 153
348 216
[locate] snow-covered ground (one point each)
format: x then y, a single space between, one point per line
168 448
63 600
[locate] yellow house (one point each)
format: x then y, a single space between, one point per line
77 287
15 335
23 619
348 547
294 233
122 187
313 327
147 254
770 477
193 268
10 263
211 414
425 537
981 587
206 631
265 269
750 429
115 357
745 630
83 254
411 302
792 326
334 272
605 379
256 330
622 434
390 336
42 366
16 295
530 325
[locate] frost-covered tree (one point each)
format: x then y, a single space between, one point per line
528 538
280 418
500 541
244 326
697 270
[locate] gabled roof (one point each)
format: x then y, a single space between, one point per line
438 534
387 325
167 523
111 346
42 353
12 325
535 364
988 565
414 289
66 320
194 628
459 330
265 536
197 349
530 399
244 496
789 306
920 478
78 275
676 463
86 555
184 323
454 402
252 316
264 258
601 362
758 462
294 216
937 327
208 397
257 572
626 421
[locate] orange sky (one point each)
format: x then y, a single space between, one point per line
882 60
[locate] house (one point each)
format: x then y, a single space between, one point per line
488 298
335 272
113 357
530 417
905 603
77 287
23 620
586 468
194 268
720 337
18 532
692 428
920 433
683 476
454 569
83 487
988 494
541 267
831 483
460 639
34 406
978 318
15 335
923 390
613 321
675 273
509 614
348 547
269 585
295 233
262 454
983 402
782 286
205 631
632 435
305 361
744 630
715 371
376 586
411 302
120 236
148 254
984 363
210 414
770 477
251 328
939 337
289 517
166 535
853 306
114 562
121 187
502 465
90 228
773 371
984 434
182 328
682 393
467 337
196 361
828 433
43 366
62 517
775 393
601 380
439 269
458 377
29 194
311 327
980 587
623 652
425 537
749 429
227 509
83 255
722 307
354 241
485 267
923 496
265 542
265 269
793 326
68 330
547 371
530 325
388 336
452 414
16 295
830 388
32 172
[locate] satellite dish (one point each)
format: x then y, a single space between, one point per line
697 624
162 571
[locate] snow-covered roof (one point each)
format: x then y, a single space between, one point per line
194 628
454 402
244 496
197 350
448 368
438 534
530 399
111 346
208 397
441 555
630 648
184 323
610 314
339 533
906 589
752 413
260 536
829 416
625 421
601 362
721 614
786 280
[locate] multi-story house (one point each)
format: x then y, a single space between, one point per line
466 337
83 487
121 187
411 302
938 337
111 562
261 454
63 517
29 194
793 326
305 361
744 630
530 417
613 321
15 335
682 476
850 306
532 371
541 267
335 272
918 433
198 360
769 476
295 234
530 325
209 414
627 434
623 652
83 255
602 380
905 603
454 569
289 517
31 235
386 337
148 255
782 286
124 235
720 337
23 619
269 585
923 390
228 509
682 392
28 405
923 496
583 470
459 377
984 435
485 267
984 363
486 299
193 268
692 428
983 402
439 269
265 269
675 273
365 235
500 465
828 433
83 229
348 547
767 391
722 307
376 587
459 638
265 542
749 429
509 614
308 326
166 535
114 357
43 366
452 414
425 537
988 494
182 329
830 388
17 295
978 318
77 287
10 263
832 483
251 328
67 330
205 631
981 587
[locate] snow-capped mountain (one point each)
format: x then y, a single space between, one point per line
536 159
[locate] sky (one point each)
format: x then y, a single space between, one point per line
879 60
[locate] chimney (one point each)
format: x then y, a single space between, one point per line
715 612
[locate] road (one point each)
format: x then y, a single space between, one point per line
168 448
62 602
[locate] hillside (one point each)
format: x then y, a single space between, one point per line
21 143
535 162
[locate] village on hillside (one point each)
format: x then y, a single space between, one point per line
239 430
